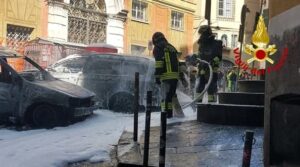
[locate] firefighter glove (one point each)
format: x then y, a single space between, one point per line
216 60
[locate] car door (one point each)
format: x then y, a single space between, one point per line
8 90
101 74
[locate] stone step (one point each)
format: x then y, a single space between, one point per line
128 152
230 114
257 86
244 98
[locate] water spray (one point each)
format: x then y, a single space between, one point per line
205 88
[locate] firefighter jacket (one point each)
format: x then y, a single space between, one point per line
210 50
166 63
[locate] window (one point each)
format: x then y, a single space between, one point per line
224 40
101 65
130 67
234 40
17 36
138 50
225 8
19 33
177 20
139 10
70 66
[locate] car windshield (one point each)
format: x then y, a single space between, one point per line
28 69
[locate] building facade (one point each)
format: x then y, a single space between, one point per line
19 21
281 125
174 18
86 21
225 23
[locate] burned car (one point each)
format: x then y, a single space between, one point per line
111 76
35 97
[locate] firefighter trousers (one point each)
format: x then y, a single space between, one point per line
212 89
168 91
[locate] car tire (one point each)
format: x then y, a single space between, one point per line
45 116
121 102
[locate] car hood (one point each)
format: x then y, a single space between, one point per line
65 87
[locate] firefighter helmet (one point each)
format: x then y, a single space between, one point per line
158 36
205 29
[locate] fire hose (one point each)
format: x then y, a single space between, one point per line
205 88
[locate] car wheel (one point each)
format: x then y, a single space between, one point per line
44 116
121 102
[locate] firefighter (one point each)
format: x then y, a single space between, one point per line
166 70
183 72
191 61
210 50
231 78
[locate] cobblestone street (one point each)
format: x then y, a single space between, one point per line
196 144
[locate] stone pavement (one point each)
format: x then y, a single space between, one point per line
194 144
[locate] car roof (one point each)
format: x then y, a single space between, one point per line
114 55
125 56
9 53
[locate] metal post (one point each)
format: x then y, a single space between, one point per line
147 128
208 11
241 40
163 141
136 107
239 69
251 72
247 148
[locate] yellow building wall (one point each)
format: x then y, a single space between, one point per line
159 19
22 13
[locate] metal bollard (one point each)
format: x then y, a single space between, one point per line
147 128
247 148
163 141
136 107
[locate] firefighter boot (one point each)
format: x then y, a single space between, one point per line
169 113
177 110
198 97
212 98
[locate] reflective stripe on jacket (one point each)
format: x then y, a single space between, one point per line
166 63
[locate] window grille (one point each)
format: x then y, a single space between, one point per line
87 21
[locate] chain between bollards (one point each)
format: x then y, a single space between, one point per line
247 148
147 128
136 107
